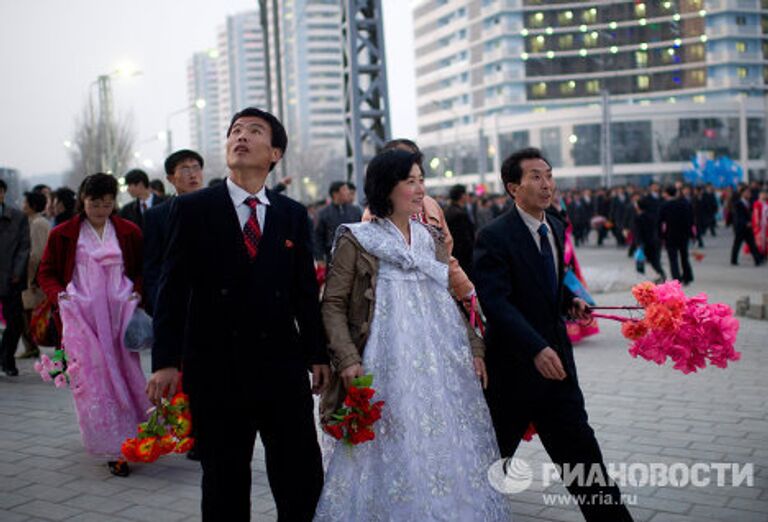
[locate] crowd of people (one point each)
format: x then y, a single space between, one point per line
249 290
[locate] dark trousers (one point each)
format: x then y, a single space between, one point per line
282 415
13 312
744 235
653 255
678 255
561 423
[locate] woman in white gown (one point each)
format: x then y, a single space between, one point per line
435 442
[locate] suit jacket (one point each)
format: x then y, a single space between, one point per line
14 249
155 242
328 220
742 215
132 211
676 222
221 315
523 317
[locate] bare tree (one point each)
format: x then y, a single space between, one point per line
321 166
89 151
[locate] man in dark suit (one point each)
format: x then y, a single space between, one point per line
238 309
138 187
519 272
742 228
184 170
676 228
461 227
339 211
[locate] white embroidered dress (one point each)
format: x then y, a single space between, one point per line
435 441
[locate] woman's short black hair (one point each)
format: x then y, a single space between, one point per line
384 172
98 185
36 201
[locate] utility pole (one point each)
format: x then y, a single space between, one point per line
605 142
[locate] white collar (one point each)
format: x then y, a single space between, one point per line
531 222
239 194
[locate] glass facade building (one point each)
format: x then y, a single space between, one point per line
670 79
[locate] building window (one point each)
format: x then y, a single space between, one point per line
567 87
640 10
741 47
536 20
742 72
566 41
590 39
641 59
589 16
538 44
741 20
565 18
539 90
643 82
697 77
696 52
593 86
700 98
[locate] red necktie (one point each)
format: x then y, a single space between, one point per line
252 230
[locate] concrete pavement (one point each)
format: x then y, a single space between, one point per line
642 414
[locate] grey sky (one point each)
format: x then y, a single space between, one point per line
52 50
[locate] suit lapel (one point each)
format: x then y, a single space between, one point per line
557 230
231 238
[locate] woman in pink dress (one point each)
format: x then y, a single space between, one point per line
91 271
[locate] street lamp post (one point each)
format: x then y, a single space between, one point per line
199 105
106 136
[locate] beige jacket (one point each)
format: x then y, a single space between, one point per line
39 228
433 215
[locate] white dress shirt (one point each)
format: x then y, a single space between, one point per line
533 225
239 195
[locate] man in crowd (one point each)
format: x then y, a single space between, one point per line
338 212
138 187
14 253
676 227
245 325
184 170
742 228
461 227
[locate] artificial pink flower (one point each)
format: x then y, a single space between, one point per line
645 293
60 381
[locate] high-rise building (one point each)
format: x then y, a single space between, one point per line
308 87
206 126
229 78
674 78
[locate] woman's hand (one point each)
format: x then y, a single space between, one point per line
350 373
480 371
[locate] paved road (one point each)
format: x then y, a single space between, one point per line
642 414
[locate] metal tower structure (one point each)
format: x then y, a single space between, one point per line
106 127
366 99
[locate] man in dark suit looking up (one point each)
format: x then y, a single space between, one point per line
238 309
184 170
519 272
144 199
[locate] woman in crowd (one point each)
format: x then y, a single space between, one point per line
39 227
387 296
91 271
